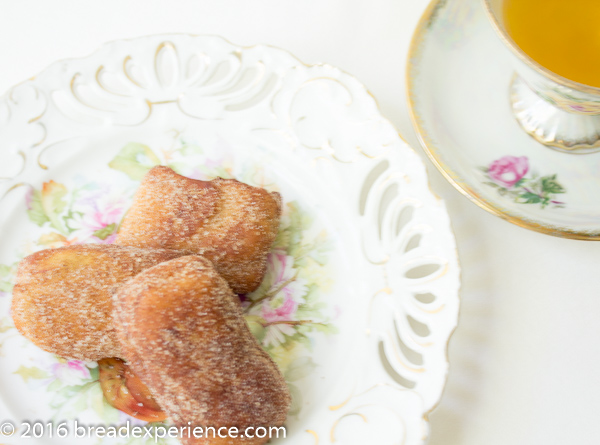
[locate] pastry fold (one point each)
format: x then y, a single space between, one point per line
226 221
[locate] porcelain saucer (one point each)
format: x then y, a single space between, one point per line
459 76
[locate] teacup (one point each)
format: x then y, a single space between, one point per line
556 111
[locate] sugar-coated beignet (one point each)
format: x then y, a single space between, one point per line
183 332
62 299
230 223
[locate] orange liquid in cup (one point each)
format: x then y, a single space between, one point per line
561 35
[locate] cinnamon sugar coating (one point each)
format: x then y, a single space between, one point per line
183 332
62 299
230 223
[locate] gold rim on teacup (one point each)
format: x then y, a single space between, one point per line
556 111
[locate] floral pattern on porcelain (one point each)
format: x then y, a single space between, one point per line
455 22
7 273
284 313
509 176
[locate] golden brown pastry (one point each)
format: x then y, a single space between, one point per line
62 300
230 223
183 332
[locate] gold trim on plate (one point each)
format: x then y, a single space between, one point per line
315 435
128 59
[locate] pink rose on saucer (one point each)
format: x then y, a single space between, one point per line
508 170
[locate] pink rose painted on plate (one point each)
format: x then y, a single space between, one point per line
99 214
508 170
511 177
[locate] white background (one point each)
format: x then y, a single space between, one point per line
525 357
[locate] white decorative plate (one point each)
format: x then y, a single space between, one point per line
459 77
364 272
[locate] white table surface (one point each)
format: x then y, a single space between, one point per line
525 357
